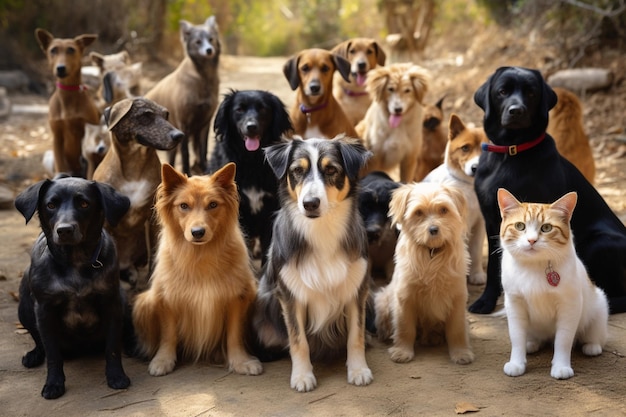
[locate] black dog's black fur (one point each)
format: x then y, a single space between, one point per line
516 102
248 114
70 297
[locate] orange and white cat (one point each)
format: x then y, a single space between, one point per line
548 295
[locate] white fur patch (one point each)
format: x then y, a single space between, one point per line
255 197
139 192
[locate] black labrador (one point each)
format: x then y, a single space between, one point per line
523 159
70 296
246 122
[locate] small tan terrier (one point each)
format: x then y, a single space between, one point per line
427 295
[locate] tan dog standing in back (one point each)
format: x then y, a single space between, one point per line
364 54
434 139
392 127
316 112
138 128
70 105
190 93
119 77
565 125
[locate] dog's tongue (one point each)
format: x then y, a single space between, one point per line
360 79
394 120
252 143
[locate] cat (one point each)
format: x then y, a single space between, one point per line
548 296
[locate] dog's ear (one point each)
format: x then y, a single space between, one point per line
115 113
341 49
185 29
28 200
43 38
85 40
281 123
419 79
225 176
482 96
506 201
354 155
458 198
398 203
290 69
380 54
222 125
115 205
170 178
277 156
376 83
343 66
439 104
211 22
97 59
455 127
549 96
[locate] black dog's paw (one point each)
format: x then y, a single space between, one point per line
484 305
33 358
52 391
118 381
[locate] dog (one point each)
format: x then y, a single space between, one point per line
246 122
313 290
118 76
363 54
70 296
565 125
203 287
190 92
138 128
316 112
434 140
70 106
374 198
392 126
96 143
460 164
524 160
427 295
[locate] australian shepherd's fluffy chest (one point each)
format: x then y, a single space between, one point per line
313 291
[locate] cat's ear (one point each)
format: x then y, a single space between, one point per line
566 204
506 201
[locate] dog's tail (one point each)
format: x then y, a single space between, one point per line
382 309
146 323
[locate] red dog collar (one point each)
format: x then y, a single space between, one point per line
513 149
80 87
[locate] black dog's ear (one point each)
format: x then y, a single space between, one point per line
28 200
290 69
221 125
354 155
549 96
115 204
281 123
343 66
278 156
482 96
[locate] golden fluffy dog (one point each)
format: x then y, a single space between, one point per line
392 127
316 112
202 286
566 127
434 140
427 295
364 54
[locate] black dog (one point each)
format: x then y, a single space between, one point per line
70 297
246 122
525 161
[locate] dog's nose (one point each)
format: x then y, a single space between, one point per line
65 231
474 167
433 230
176 135
311 204
361 66
252 127
373 234
61 71
397 110
197 232
101 149
315 87
516 109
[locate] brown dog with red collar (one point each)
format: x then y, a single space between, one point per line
70 105
316 112
363 54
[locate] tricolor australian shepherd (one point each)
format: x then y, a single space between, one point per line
313 290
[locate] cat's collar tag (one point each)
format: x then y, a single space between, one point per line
552 276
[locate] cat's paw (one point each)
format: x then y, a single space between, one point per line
592 349
462 356
514 368
561 372
303 382
360 376
401 354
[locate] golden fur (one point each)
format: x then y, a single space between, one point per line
392 127
364 54
202 286
566 127
427 294
434 139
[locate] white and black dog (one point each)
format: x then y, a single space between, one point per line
313 290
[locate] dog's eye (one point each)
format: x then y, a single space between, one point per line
298 171
184 206
330 170
83 204
546 227
465 148
391 89
305 68
325 68
503 92
443 210
51 206
352 51
54 50
145 119
408 90
520 226
370 51
70 51
419 213
212 205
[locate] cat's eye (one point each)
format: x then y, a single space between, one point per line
520 226
546 227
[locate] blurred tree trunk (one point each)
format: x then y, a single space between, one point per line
408 23
154 26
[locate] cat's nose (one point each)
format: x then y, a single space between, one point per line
532 241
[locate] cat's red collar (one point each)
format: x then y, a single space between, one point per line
513 149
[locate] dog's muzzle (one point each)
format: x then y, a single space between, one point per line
67 234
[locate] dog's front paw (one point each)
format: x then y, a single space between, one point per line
514 369
34 358
401 354
484 305
251 366
161 366
360 376
54 390
561 372
592 349
118 381
462 356
303 382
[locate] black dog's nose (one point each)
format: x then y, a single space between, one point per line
311 204
516 110
433 230
65 231
176 135
474 168
252 128
197 232
373 234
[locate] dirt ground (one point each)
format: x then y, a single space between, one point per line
429 385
